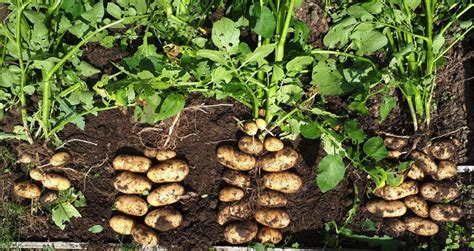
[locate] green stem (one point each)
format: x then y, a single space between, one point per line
402 30
446 27
412 112
280 50
440 55
429 33
339 53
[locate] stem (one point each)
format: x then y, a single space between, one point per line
456 19
452 44
339 53
402 30
280 50
412 112
409 38
429 32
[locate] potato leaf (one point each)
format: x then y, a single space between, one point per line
96 229
63 213
213 55
331 171
297 64
352 130
386 107
375 148
265 24
172 104
310 130
225 34
259 53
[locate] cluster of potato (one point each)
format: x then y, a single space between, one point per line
133 183
50 181
276 182
426 197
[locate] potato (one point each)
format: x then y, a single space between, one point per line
163 155
261 124
424 162
55 182
232 158
236 178
240 233
395 226
395 143
405 189
122 224
60 158
386 209
131 183
250 128
273 144
269 235
25 158
445 212
275 218
443 149
250 145
150 152
144 235
137 164
48 198
131 205
284 182
27 190
173 170
415 173
166 194
438 192
279 161
37 174
262 112
164 219
231 194
231 212
446 170
269 198
421 226
394 154
417 205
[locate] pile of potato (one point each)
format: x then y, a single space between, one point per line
426 191
50 181
271 187
136 178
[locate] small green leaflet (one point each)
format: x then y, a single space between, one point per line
375 148
352 130
225 34
259 53
221 73
114 10
331 170
310 130
63 213
96 229
386 107
329 80
215 56
297 64
265 24
172 104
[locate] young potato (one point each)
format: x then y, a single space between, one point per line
445 212
269 235
136 164
25 158
417 205
234 159
421 226
240 233
251 145
270 198
231 212
163 155
27 190
284 182
405 189
395 226
172 170
424 162
164 219
144 235
438 192
131 183
55 182
131 205
262 112
250 128
273 144
166 194
386 209
60 158
48 198
415 173
275 218
150 152
37 174
446 170
231 194
443 150
261 124
279 161
394 143
236 178
394 154
122 224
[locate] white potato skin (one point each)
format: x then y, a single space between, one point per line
240 233
438 191
166 194
234 159
163 155
275 218
131 205
424 162
122 224
416 173
132 163
269 235
164 219
250 145
445 213
386 209
417 205
231 194
395 143
55 182
173 170
405 189
273 144
27 190
420 226
131 183
270 198
443 150
446 170
60 158
144 235
279 161
236 178
285 182
235 211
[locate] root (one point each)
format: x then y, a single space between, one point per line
393 135
450 133
76 140
171 131
92 167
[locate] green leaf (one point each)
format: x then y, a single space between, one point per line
278 73
259 53
297 64
95 14
353 131
394 179
172 104
87 69
63 213
438 43
114 10
375 148
357 11
331 170
386 107
329 80
96 229
213 55
413 4
225 34
369 42
221 73
266 23
310 130
289 94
